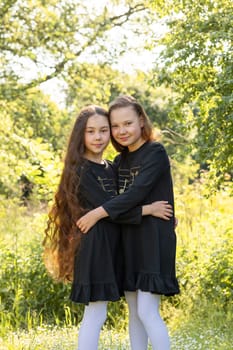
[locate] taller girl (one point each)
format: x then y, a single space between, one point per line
149 249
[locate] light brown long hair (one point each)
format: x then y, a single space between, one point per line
129 101
62 236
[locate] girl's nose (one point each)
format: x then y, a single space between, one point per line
122 130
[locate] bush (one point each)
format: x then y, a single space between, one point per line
216 283
204 258
27 291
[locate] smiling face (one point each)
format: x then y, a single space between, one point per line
126 127
97 135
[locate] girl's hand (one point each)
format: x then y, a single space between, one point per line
86 222
161 209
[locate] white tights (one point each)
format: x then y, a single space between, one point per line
95 314
145 321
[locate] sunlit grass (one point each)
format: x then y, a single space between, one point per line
54 338
192 338
51 338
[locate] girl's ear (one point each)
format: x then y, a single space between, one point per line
141 121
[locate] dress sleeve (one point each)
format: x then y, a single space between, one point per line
153 165
94 196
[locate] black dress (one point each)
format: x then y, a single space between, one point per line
149 248
98 262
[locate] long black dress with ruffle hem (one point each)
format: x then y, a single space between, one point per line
98 269
149 249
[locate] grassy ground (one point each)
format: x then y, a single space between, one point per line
46 338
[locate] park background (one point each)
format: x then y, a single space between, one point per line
176 58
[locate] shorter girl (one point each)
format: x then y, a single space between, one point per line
87 182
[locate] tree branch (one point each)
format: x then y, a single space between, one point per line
101 27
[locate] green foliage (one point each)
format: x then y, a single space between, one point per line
32 130
197 65
56 39
28 295
27 291
49 36
204 258
35 116
217 280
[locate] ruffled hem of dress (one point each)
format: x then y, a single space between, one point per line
95 292
154 283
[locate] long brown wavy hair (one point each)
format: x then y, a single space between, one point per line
62 236
129 101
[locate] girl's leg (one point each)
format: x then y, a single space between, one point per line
137 333
148 311
94 317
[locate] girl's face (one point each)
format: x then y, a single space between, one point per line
126 127
97 135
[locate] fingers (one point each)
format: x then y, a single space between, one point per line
84 231
82 227
167 216
168 206
167 213
163 202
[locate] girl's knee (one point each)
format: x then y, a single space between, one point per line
131 299
142 312
101 315
95 313
148 306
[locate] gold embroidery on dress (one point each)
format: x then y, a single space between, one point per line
127 177
108 185
122 189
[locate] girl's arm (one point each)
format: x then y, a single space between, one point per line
160 209
153 166
94 194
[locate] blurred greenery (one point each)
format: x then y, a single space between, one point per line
197 66
188 97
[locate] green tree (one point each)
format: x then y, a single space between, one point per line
40 40
197 64
50 35
35 116
30 134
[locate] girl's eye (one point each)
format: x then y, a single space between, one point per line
113 126
128 123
